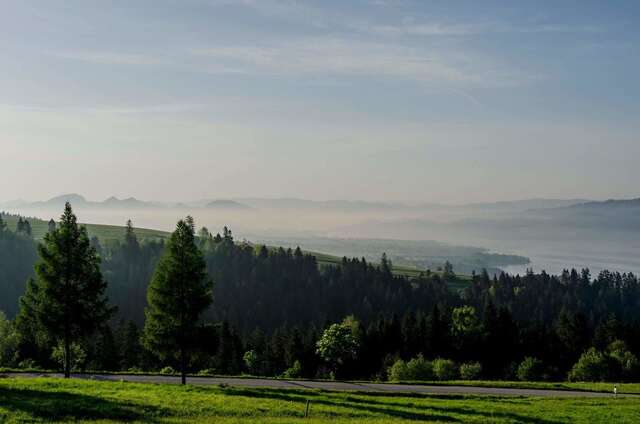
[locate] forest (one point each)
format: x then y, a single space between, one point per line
276 312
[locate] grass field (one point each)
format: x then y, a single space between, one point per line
628 388
56 400
104 232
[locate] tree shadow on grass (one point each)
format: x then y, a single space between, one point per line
461 410
53 406
301 396
410 411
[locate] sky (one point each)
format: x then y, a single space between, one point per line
419 101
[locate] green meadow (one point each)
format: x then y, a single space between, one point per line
104 232
25 400
623 388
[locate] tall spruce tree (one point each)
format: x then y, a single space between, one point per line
51 226
178 294
67 300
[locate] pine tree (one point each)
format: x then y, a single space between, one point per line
130 348
27 228
67 299
130 240
178 294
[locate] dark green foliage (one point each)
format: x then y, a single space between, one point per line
277 303
592 366
105 351
337 345
178 294
530 369
9 342
445 369
417 369
67 298
130 349
470 370
17 257
23 227
447 272
129 267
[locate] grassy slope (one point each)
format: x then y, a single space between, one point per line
55 400
104 232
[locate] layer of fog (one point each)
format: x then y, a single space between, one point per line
552 240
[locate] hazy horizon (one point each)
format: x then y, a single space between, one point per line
408 202
371 100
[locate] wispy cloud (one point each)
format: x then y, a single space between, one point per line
110 110
327 57
349 57
417 28
110 57
296 11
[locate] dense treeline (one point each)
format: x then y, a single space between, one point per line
17 259
273 313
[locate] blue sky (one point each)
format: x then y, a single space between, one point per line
380 100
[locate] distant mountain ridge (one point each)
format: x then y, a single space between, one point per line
226 204
534 205
611 203
79 201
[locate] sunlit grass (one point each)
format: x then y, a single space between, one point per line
629 388
56 400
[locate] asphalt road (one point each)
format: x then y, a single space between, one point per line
330 385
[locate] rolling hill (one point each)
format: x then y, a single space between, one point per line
106 233
103 232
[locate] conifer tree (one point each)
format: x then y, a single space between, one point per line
67 299
27 228
178 294
131 244
51 226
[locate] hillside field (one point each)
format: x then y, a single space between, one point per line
104 232
107 233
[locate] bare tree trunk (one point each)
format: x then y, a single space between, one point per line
67 358
183 365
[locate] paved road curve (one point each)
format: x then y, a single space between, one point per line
329 385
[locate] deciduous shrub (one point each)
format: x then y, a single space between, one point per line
530 369
626 363
167 370
28 364
445 369
420 369
398 371
9 340
592 366
252 362
470 371
295 371
417 369
207 371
